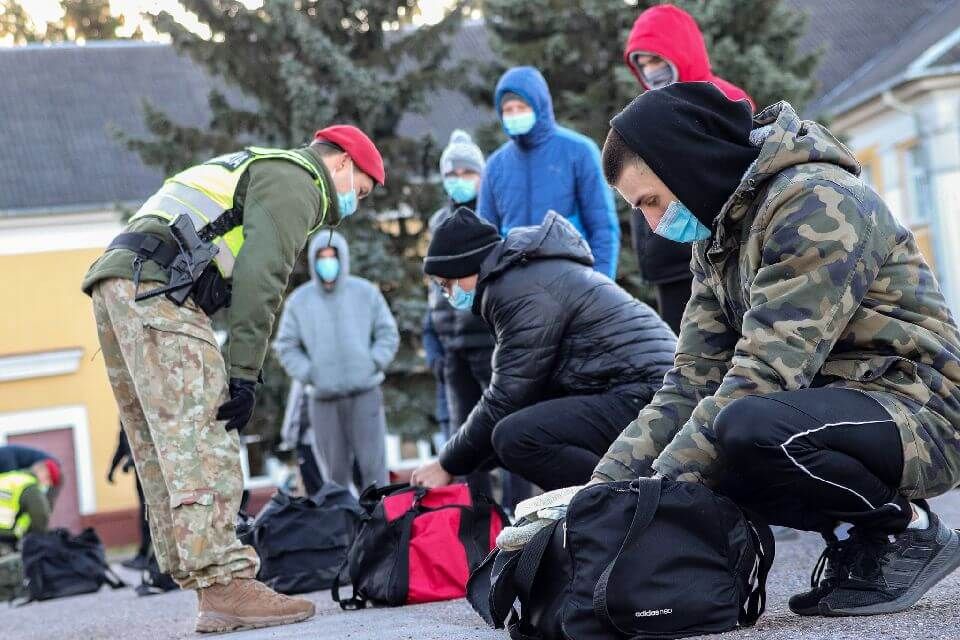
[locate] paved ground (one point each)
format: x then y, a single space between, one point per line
122 615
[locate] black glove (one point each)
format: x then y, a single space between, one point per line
239 408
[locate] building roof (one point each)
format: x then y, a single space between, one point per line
59 150
63 104
872 46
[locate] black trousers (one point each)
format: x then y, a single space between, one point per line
672 298
557 443
309 471
467 373
813 458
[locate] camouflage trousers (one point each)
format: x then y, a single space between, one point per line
169 378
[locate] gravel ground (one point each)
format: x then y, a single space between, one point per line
122 615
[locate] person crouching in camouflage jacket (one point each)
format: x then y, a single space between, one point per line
817 374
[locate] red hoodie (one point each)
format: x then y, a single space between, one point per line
672 34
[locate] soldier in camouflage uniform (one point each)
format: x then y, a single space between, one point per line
817 373
181 404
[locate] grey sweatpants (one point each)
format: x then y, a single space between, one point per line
348 430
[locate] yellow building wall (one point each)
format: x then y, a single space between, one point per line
45 310
925 243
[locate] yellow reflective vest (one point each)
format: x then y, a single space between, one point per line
12 485
205 193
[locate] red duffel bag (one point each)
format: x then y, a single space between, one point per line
418 545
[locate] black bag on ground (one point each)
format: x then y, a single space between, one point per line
153 581
56 564
649 558
303 541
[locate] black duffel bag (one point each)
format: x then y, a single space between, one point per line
303 541
649 558
57 565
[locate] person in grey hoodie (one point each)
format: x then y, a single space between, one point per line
338 336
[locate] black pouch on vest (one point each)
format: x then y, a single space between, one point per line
211 292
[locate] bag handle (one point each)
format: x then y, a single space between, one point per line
371 496
766 549
113 579
516 628
355 601
530 559
648 493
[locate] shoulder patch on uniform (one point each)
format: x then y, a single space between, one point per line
233 160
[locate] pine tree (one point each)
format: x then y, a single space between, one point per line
579 48
84 20
15 22
307 64
578 45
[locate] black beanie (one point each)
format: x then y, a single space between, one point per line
459 245
695 139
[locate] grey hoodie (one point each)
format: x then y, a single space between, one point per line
341 340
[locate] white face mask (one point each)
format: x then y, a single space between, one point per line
659 78
655 78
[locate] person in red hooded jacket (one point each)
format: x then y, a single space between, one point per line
666 46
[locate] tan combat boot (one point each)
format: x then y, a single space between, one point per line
247 604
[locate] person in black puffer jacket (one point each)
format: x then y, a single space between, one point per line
576 356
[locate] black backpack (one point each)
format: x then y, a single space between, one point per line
56 564
648 558
303 541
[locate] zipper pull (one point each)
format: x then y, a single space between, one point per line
564 534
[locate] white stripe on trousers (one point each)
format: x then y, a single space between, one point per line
787 442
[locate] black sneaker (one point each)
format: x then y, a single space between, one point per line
891 574
830 570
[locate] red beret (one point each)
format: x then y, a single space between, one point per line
54 470
358 146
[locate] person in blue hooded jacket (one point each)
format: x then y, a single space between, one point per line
546 167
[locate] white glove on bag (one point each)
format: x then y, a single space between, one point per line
534 514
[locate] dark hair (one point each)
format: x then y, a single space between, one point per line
326 148
617 155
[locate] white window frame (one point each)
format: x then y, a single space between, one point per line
72 417
252 482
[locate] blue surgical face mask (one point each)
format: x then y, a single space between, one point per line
460 299
348 201
327 268
521 124
680 225
459 189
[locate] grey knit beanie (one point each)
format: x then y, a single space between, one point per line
461 153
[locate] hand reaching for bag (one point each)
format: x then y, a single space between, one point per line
431 475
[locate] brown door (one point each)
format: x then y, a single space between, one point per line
59 444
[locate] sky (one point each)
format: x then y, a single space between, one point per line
43 11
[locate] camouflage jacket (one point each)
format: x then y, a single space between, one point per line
808 280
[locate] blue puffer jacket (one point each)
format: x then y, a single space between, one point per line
551 167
